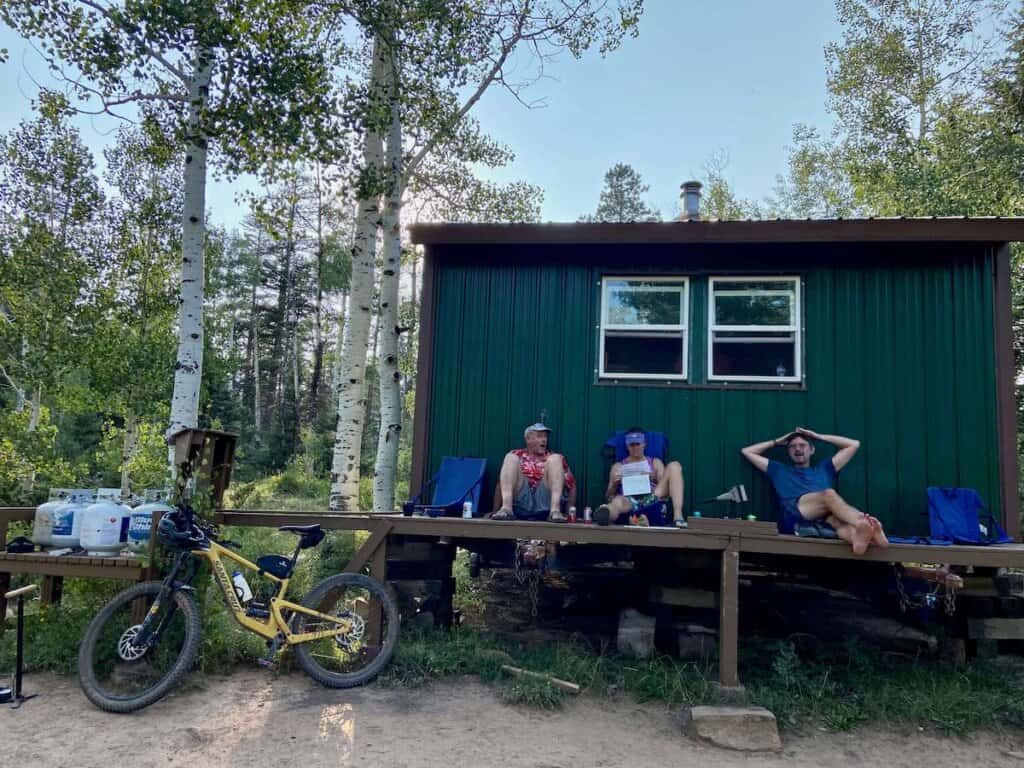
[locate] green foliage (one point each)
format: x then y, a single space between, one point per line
29 461
854 687
622 197
148 465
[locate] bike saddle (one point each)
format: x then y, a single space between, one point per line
303 529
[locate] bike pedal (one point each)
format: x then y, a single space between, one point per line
270 664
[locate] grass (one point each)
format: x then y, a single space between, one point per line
842 692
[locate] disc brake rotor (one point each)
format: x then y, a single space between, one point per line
126 647
357 628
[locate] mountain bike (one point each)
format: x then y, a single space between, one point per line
146 639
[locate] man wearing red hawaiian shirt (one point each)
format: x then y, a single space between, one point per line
534 482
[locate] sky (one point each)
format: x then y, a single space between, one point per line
703 78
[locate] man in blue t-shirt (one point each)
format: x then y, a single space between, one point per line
807 492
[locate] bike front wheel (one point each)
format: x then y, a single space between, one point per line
363 635
119 676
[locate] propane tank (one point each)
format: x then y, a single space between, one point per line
42 521
141 524
67 518
104 528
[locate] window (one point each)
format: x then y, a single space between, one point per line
754 329
643 328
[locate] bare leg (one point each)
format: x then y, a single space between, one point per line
671 485
509 481
554 479
851 524
618 507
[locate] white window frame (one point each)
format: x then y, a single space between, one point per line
795 327
683 329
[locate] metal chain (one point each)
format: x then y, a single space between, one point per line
530 576
930 599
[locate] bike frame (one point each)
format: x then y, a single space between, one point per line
274 625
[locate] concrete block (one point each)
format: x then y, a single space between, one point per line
695 641
748 729
636 634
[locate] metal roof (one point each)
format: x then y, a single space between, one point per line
993 229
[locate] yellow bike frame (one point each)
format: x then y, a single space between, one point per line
274 624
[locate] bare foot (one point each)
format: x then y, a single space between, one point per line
878 537
862 534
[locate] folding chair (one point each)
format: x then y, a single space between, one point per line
459 479
615 446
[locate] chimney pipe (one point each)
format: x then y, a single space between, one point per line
690 199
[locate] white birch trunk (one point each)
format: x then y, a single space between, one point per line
387 323
37 401
348 435
336 373
188 370
128 452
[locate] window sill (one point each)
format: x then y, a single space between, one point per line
789 386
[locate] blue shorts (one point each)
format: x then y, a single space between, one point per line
653 508
790 519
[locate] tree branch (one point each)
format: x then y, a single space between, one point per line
489 78
140 41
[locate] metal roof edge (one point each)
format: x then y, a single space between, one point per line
948 229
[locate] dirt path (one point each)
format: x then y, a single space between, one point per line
255 719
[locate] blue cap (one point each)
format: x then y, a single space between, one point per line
635 438
538 427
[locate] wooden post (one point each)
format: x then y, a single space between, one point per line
728 630
53 588
379 572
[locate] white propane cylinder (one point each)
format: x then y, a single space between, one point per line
67 518
104 528
141 524
42 521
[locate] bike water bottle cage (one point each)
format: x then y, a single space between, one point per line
311 534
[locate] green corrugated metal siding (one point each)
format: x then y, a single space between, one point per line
899 353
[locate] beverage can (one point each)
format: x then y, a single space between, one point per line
588 515
467 509
696 513
572 514
752 518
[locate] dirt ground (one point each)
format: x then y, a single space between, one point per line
254 718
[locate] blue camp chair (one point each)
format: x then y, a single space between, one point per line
657 446
459 479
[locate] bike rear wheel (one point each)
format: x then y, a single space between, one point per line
357 652
117 675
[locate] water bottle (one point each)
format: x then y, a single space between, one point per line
242 589
467 510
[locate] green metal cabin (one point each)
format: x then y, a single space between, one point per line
721 333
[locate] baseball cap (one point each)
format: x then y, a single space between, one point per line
538 427
635 438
